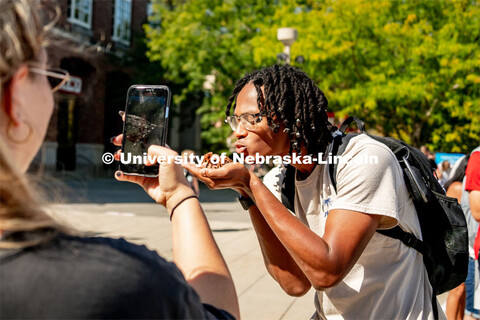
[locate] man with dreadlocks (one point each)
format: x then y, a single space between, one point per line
330 243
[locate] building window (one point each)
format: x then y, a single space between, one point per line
122 21
81 13
153 19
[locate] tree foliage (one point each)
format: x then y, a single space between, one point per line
410 69
199 38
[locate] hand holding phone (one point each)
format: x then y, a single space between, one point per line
146 124
169 187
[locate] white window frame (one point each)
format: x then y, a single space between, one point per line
118 13
149 8
74 20
150 13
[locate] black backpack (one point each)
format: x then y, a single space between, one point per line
442 222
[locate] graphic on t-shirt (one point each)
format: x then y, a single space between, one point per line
326 203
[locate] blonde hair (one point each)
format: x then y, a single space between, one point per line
23 222
22 33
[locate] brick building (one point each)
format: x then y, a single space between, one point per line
87 36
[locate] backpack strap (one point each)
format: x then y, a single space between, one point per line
340 143
406 237
288 188
332 167
346 123
411 241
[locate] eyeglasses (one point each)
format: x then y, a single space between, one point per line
248 120
56 77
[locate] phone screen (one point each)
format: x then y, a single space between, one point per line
146 122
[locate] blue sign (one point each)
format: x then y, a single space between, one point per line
450 157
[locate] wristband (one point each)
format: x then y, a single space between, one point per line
246 202
176 206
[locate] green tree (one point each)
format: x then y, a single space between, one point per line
194 39
410 69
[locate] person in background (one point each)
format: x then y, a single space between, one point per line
48 271
471 207
192 180
430 156
444 172
446 169
456 297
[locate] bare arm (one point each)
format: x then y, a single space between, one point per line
295 256
455 190
196 253
323 261
278 261
194 248
474 199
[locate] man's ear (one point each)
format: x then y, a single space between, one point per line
13 95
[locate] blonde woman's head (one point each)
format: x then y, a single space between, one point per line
26 97
21 36
26 106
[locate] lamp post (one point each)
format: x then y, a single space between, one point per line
287 36
209 84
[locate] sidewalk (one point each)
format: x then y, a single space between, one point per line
107 207
104 207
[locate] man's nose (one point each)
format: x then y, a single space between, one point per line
240 130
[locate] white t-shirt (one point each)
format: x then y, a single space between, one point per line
273 180
389 280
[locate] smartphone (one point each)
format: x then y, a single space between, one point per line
146 123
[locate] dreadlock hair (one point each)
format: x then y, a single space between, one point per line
294 100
